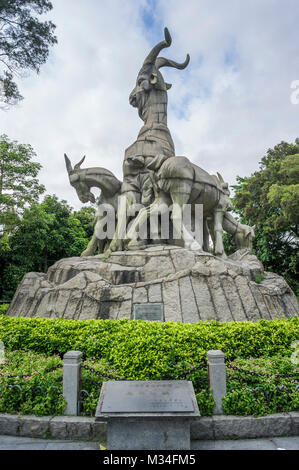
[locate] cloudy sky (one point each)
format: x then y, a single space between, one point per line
225 110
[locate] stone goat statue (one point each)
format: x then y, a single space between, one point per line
181 182
85 179
149 96
243 235
154 176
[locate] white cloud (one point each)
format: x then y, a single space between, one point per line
248 107
225 110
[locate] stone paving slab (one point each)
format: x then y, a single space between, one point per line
288 443
24 443
280 443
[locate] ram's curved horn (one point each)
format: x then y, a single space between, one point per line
77 167
162 62
68 164
150 60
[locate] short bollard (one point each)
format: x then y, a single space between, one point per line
217 378
71 380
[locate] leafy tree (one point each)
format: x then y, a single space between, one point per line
228 243
19 186
269 198
86 217
24 42
285 194
46 233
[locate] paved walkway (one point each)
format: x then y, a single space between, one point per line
274 443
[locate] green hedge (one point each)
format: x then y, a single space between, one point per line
146 350
149 350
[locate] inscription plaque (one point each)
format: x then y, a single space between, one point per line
148 311
147 397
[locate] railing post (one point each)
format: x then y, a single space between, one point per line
71 380
217 378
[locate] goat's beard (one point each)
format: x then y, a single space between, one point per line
91 197
87 197
141 103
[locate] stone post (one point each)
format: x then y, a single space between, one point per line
217 378
71 380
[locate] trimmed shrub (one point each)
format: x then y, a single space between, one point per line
149 350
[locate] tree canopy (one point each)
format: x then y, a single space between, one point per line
47 232
19 186
24 43
33 234
86 217
269 198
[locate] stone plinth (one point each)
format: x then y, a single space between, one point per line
191 286
147 415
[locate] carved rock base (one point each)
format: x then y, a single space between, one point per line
192 286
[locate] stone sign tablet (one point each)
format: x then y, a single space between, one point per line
147 397
148 311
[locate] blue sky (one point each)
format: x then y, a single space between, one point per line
149 12
225 110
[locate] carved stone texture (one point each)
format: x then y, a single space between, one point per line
192 286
